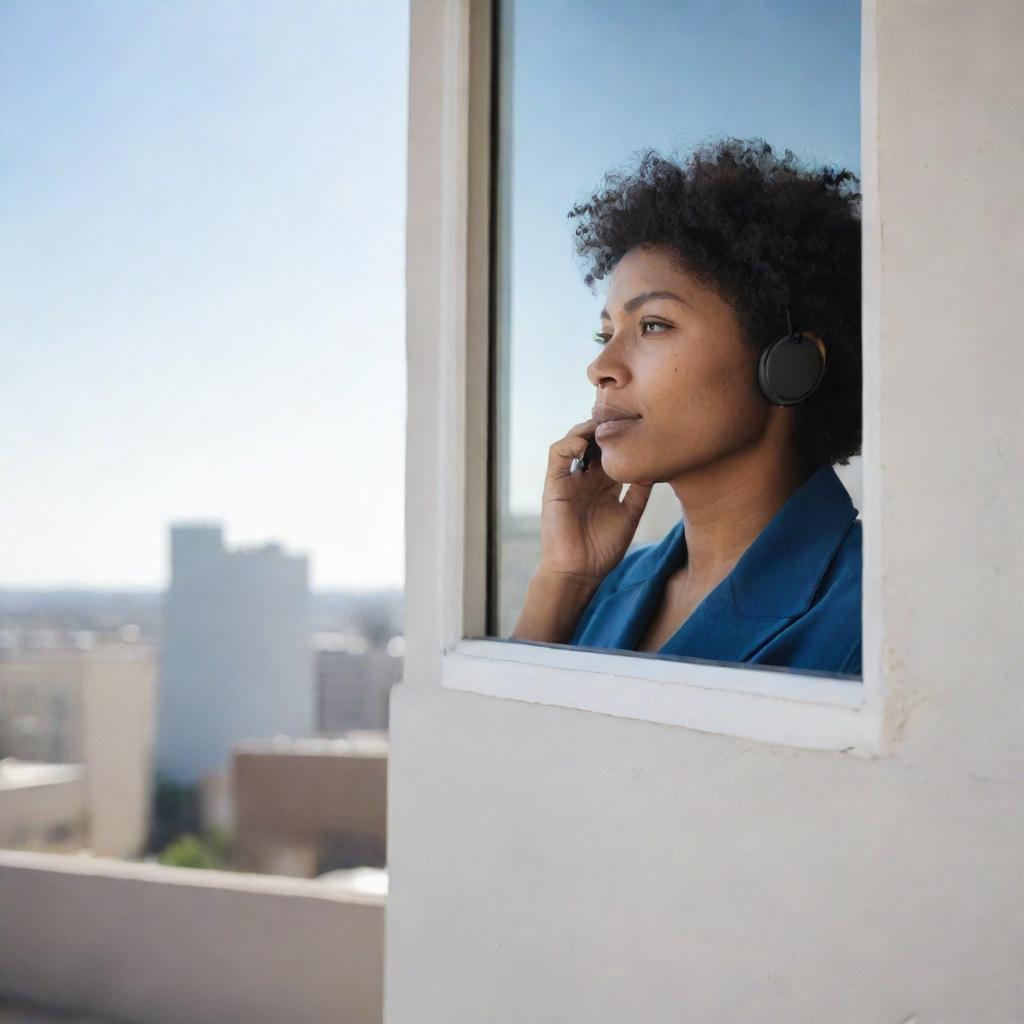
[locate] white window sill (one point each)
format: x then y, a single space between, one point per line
767 704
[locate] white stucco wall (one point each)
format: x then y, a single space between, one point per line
555 865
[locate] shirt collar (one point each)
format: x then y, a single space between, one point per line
779 573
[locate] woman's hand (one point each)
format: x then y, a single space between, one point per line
585 530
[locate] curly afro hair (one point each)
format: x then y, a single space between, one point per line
764 232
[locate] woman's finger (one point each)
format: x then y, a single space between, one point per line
571 446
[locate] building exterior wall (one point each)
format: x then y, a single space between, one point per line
568 866
352 688
236 662
118 709
40 706
47 812
96 707
216 810
315 807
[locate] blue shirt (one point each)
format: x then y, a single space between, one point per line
793 598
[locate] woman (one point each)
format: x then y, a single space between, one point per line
708 264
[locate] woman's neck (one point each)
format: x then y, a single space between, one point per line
726 505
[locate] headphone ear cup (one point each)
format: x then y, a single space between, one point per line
790 369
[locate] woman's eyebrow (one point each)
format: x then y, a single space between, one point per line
639 300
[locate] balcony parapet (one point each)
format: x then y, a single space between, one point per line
151 944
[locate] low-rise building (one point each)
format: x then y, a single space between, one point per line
94 708
43 807
305 807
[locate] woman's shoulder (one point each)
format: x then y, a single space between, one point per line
839 587
826 635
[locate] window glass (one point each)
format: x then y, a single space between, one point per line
582 88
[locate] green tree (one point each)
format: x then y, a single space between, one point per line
193 851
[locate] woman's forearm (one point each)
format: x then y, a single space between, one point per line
552 607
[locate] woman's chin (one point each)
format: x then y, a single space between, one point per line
622 471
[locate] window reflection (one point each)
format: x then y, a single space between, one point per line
586 89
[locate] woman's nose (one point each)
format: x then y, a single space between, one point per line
606 369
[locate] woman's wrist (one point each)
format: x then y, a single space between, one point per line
553 605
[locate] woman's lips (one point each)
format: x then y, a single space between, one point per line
611 427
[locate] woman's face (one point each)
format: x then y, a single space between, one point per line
680 364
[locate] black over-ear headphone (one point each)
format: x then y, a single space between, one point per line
791 368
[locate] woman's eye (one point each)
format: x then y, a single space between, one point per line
653 323
603 339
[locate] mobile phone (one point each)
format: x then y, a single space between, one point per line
592 452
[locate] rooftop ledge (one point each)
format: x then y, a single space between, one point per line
102 940
237 881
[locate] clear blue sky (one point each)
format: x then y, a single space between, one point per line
202 215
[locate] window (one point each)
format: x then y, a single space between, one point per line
566 113
785 704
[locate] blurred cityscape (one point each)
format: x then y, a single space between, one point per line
236 721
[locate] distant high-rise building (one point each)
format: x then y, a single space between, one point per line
353 682
237 661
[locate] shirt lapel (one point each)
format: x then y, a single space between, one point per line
773 582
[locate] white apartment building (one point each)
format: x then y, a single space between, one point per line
236 661
93 708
